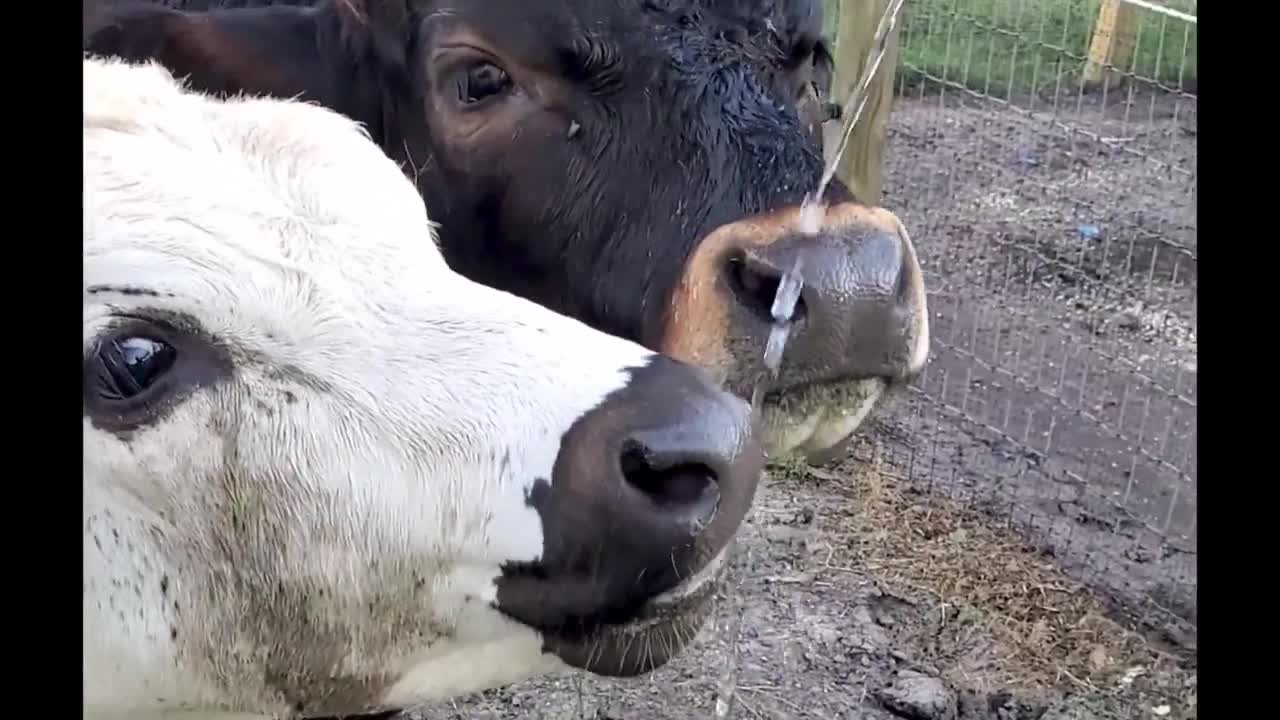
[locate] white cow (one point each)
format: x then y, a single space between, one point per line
325 475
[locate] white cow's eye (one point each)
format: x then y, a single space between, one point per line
128 366
146 365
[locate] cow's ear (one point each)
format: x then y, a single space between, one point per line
222 52
382 28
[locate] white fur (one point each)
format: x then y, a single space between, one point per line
383 423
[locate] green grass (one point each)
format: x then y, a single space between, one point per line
1011 47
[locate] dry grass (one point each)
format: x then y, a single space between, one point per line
980 581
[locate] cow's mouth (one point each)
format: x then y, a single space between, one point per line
655 634
817 421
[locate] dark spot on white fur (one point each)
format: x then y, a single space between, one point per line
130 290
293 375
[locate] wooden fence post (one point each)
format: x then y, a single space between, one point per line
862 165
1114 36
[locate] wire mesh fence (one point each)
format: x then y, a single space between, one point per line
1043 155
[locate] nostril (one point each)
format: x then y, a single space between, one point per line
686 490
755 285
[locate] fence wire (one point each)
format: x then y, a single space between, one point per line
1056 223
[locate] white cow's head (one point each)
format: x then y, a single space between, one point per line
324 474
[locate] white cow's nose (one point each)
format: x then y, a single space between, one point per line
647 486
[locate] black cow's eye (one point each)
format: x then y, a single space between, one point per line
482 81
128 365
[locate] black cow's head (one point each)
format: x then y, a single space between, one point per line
637 164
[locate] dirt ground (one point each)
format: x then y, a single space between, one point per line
990 548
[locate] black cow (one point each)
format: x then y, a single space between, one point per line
636 164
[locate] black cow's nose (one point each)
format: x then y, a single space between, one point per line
647 487
861 310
